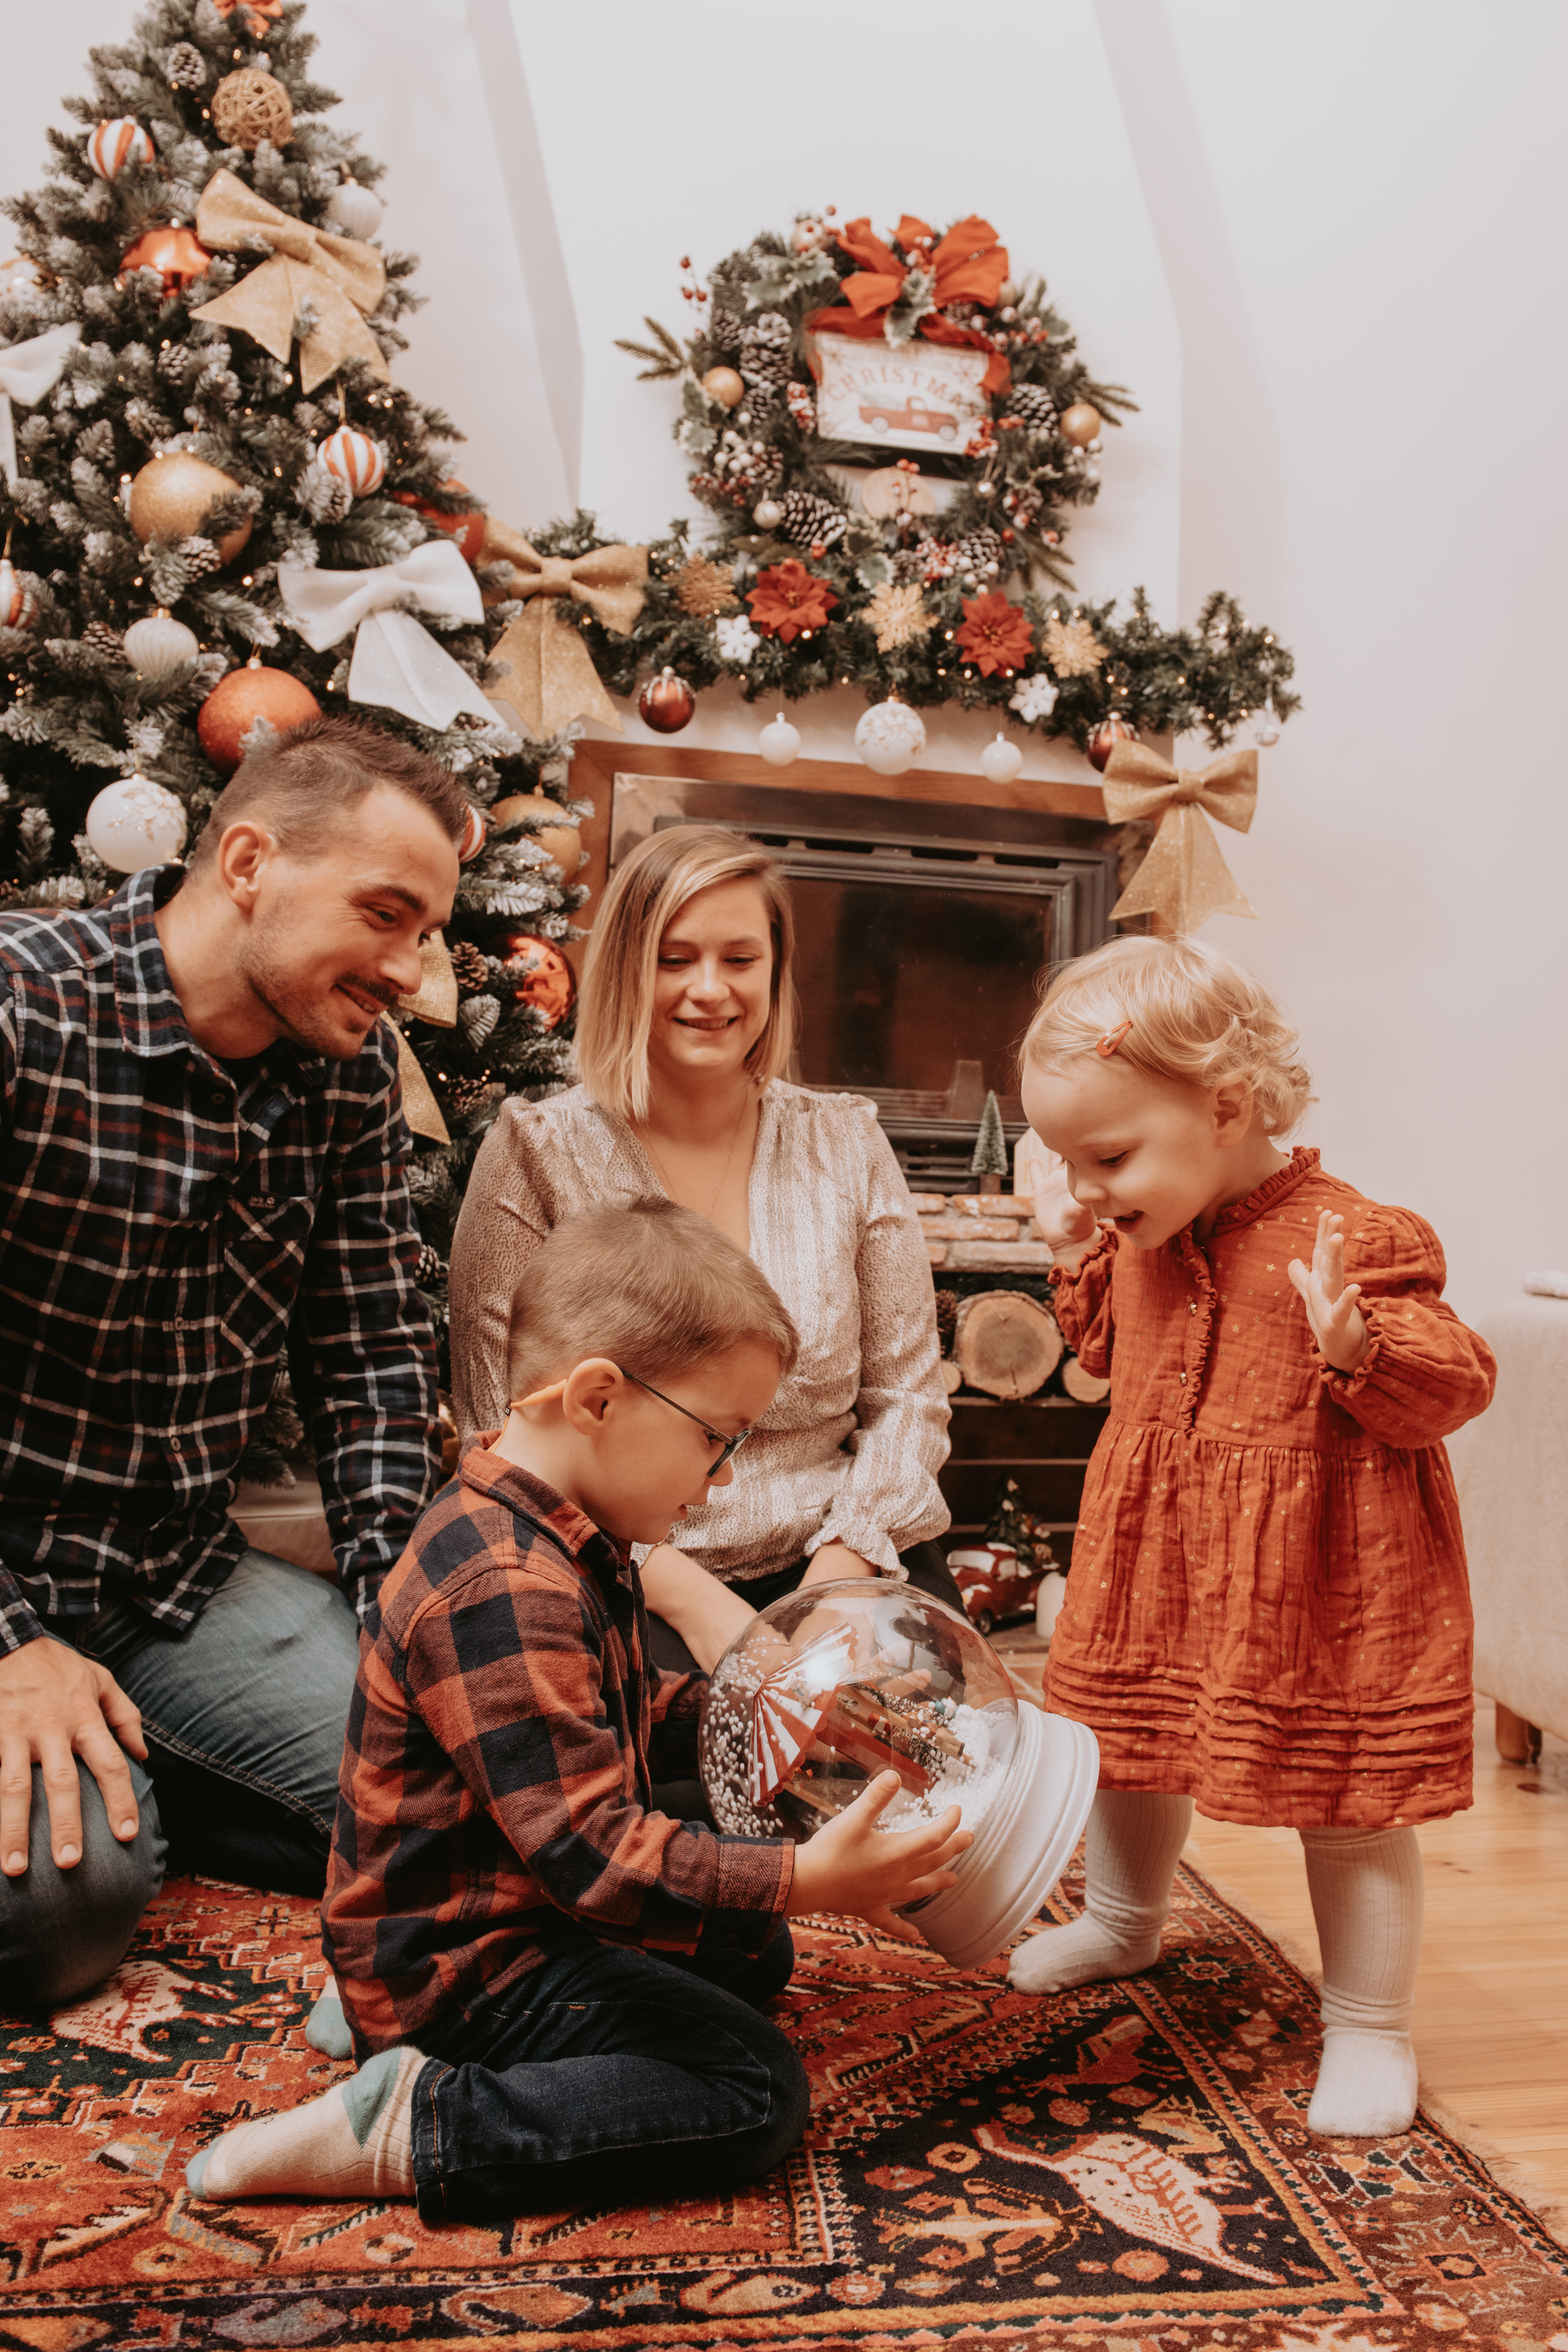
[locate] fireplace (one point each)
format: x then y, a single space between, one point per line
923 930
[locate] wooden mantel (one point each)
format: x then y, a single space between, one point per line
598 764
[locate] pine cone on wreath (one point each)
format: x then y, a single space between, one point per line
1034 404
100 638
809 520
725 329
185 67
199 556
469 969
976 550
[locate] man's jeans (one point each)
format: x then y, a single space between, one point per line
244 1722
608 2076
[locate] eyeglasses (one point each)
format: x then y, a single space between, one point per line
728 1446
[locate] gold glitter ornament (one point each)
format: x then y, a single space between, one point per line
251 106
703 588
1072 647
898 616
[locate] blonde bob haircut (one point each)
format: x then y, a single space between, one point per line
1194 1016
615 1017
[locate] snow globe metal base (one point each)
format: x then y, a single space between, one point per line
836 1684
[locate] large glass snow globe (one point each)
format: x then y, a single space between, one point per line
836 1684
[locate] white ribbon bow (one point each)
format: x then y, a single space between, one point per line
28 371
397 664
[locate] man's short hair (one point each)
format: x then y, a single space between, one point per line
652 1286
299 785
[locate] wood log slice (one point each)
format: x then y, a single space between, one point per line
1085 1388
952 1378
1006 1343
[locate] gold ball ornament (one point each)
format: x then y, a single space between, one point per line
666 703
725 385
19 605
172 497
251 106
237 701
558 836
1080 424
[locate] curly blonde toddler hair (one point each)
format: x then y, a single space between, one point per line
1195 1016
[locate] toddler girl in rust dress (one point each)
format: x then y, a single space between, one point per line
1268 1612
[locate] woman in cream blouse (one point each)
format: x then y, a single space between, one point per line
687 1021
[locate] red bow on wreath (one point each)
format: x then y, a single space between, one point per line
967 266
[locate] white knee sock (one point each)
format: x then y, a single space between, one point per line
1135 1841
1367 1891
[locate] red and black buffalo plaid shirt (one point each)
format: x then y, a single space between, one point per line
495 1798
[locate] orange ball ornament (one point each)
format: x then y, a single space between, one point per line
666 703
537 974
468 530
1105 738
237 701
179 258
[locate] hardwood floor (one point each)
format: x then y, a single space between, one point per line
1491 2000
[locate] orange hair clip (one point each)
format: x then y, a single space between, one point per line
1105 1046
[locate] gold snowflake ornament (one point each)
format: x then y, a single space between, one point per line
703 589
1072 648
898 616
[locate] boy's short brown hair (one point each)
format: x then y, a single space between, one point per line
652 1286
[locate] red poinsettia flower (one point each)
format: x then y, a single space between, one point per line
788 600
995 634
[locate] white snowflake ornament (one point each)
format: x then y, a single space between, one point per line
1034 697
738 641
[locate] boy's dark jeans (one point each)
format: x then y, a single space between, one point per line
608 2076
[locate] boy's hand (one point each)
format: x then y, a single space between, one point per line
849 1866
1337 1324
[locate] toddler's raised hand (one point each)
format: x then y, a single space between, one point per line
1064 1223
1338 1324
850 1865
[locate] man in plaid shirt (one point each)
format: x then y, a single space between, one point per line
202 1165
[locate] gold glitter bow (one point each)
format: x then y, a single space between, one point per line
337 277
1183 880
552 678
435 1001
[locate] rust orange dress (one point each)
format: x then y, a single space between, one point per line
1268 1608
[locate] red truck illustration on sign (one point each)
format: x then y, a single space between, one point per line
913 415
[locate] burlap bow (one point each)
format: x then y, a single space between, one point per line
435 1001
420 1107
552 679
1183 880
338 278
28 372
397 664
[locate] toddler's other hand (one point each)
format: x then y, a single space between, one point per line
1337 1324
851 1866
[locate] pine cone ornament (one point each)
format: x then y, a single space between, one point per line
1033 404
185 67
427 1267
465 1094
773 327
809 520
469 966
199 556
978 552
725 329
100 638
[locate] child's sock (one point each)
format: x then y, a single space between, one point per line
1366 1893
326 2027
1135 1840
353 2141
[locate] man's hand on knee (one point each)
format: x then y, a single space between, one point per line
54 1706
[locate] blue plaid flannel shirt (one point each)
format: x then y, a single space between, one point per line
168 1230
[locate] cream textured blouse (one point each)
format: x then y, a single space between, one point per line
848 1450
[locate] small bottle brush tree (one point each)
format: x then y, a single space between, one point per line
990 1160
106 248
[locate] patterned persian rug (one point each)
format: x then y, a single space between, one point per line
1111 2170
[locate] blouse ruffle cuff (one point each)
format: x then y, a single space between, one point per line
1344 1386
1099 1248
871 1544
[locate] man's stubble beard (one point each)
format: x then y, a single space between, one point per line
300 1016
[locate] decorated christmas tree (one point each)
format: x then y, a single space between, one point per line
220 514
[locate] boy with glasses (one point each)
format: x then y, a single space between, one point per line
555 1988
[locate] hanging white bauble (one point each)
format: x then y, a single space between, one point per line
18 275
780 742
135 823
891 738
355 458
354 211
1266 725
1001 760
154 647
767 514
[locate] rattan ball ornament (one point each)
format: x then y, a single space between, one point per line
115 143
1001 760
237 701
172 497
135 822
19 605
248 107
353 211
356 460
159 643
891 738
555 832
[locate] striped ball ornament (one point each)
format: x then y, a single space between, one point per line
114 144
19 605
356 460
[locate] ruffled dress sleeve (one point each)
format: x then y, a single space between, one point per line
1426 1373
1082 1305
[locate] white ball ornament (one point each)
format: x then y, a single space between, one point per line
1001 760
114 144
891 738
1265 725
135 823
356 460
157 645
767 514
353 211
780 742
18 277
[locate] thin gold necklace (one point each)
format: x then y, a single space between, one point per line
724 1174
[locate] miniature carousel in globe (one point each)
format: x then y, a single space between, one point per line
832 1685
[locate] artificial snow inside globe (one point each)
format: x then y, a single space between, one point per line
836 1684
